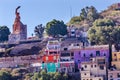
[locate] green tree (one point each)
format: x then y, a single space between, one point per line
44 75
104 22
57 76
88 13
39 31
28 76
104 34
55 28
75 19
18 73
4 75
65 77
92 13
83 14
36 76
51 75
4 32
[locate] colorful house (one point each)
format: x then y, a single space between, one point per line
84 54
116 59
53 47
67 66
67 61
50 58
51 67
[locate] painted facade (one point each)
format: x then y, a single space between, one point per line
50 58
67 61
53 47
84 55
67 66
51 67
94 69
116 59
113 74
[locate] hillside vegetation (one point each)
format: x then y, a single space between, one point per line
89 14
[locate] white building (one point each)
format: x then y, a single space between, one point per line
94 69
113 74
53 47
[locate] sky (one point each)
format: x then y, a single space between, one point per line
35 12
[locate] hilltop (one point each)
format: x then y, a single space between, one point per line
89 14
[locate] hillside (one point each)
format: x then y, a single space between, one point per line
28 48
112 12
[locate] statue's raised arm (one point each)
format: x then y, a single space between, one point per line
17 14
16 11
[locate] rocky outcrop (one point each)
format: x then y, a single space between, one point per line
28 48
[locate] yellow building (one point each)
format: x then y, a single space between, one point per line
116 59
116 56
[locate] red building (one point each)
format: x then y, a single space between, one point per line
50 58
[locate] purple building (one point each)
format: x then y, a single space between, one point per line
84 55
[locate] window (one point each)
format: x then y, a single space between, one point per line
55 52
91 55
82 69
118 74
78 45
65 49
46 58
91 59
72 54
111 76
101 67
104 54
84 55
97 53
85 66
115 59
94 65
73 32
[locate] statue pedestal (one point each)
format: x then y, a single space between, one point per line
15 37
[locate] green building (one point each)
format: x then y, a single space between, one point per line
51 67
